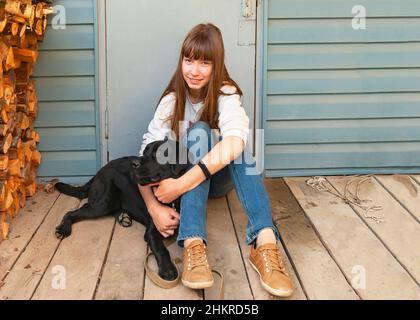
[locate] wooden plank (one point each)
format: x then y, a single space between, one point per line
23 228
340 30
342 131
343 81
350 155
342 9
353 245
74 37
65 114
31 265
81 257
224 253
240 223
65 88
77 11
400 232
180 292
67 139
342 56
318 272
76 180
71 163
123 273
275 173
416 178
65 63
343 106
405 190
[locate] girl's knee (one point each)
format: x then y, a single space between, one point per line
200 130
201 124
199 138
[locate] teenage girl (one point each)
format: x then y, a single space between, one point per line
201 107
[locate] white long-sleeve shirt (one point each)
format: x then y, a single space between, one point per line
233 120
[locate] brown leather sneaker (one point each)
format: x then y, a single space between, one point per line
196 272
266 260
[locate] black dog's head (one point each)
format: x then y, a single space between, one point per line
161 160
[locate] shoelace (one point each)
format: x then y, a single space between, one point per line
197 256
273 260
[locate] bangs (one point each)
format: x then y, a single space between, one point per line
198 48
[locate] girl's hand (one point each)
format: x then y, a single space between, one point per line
168 190
166 219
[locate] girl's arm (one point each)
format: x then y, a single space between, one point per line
166 219
219 156
234 128
223 153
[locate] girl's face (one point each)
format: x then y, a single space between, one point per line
196 73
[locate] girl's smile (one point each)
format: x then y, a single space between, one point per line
196 73
195 81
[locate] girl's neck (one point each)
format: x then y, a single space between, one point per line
195 96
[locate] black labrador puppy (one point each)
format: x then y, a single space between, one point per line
114 190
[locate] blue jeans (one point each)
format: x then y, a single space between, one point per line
249 189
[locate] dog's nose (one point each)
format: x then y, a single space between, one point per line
135 164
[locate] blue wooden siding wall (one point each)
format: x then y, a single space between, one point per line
65 75
338 100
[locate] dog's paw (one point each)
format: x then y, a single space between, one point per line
169 273
63 230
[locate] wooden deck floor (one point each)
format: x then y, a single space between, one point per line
332 250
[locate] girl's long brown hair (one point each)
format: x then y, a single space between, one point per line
203 42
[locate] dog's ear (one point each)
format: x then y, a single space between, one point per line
149 148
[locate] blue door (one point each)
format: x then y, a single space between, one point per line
143 43
66 78
340 98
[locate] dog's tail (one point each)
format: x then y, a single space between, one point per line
78 192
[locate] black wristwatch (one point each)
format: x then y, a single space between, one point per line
204 169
